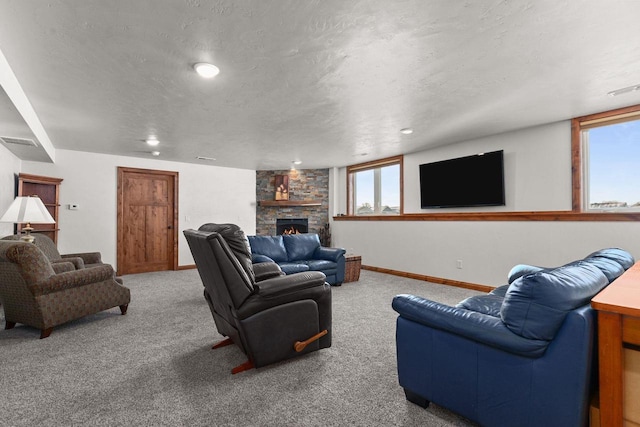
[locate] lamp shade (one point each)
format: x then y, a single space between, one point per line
29 209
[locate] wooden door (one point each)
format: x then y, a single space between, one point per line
147 220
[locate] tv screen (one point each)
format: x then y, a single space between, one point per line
476 180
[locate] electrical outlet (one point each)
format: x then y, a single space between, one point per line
459 263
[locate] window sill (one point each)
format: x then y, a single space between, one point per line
498 216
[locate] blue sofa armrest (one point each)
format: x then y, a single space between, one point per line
482 328
330 254
258 258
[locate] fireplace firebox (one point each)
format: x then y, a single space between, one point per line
292 225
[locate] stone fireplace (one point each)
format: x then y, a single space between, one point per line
308 199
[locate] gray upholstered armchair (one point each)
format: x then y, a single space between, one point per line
38 293
269 315
48 247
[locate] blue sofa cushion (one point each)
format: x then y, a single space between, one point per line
612 269
536 304
321 265
301 246
500 290
271 246
622 257
486 304
521 270
293 267
472 325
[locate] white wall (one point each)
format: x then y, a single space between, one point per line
9 168
537 178
205 194
537 168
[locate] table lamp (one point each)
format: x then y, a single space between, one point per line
27 210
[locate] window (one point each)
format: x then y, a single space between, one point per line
375 188
607 177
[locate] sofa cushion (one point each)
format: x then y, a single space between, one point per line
321 265
293 267
622 257
520 270
500 290
271 246
301 246
612 269
486 304
536 304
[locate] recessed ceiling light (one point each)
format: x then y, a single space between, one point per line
152 140
406 131
206 70
205 158
155 153
297 162
624 90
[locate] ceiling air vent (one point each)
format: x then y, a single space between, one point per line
18 141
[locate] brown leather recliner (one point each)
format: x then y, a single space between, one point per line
269 315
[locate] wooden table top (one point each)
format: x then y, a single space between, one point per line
623 295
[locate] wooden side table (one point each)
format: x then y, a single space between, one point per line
352 268
618 307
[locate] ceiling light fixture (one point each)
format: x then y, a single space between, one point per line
205 158
406 131
152 140
297 162
624 90
155 153
206 70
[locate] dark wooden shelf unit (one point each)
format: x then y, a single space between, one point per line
48 189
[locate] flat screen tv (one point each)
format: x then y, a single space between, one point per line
476 180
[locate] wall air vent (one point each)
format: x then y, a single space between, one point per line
18 141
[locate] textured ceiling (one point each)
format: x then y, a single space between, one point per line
327 82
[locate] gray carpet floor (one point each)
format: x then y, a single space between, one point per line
155 366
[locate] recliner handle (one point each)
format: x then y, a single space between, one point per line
300 345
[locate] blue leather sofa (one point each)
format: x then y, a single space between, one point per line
522 355
295 253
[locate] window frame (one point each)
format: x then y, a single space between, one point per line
375 164
578 164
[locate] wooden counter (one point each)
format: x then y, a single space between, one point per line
618 307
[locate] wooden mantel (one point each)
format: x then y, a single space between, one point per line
290 202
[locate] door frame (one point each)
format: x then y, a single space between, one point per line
120 207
